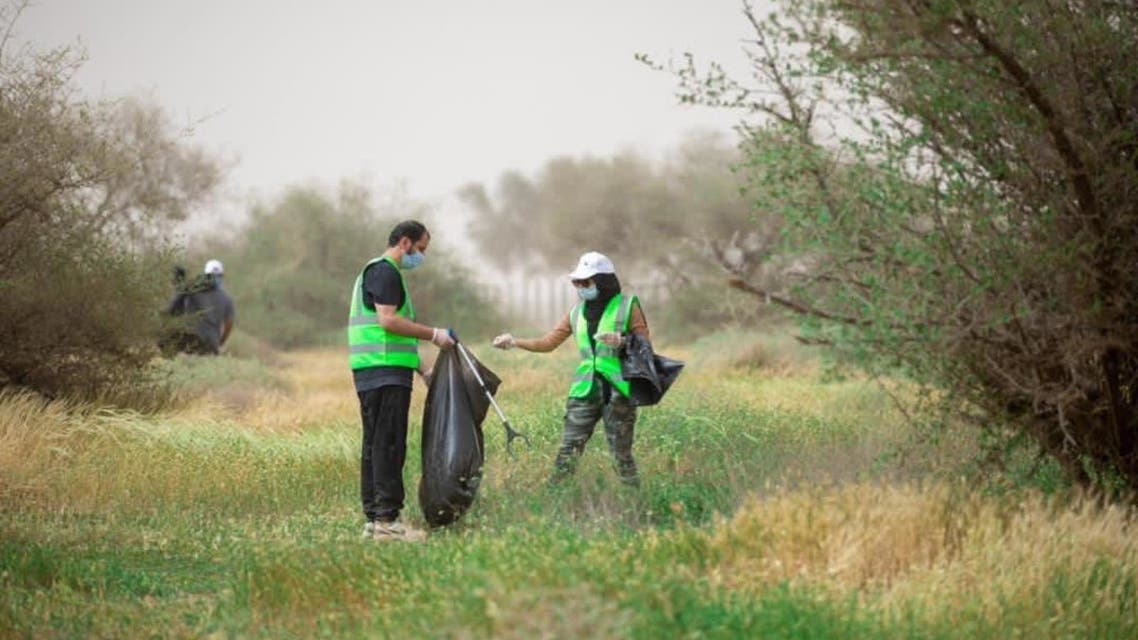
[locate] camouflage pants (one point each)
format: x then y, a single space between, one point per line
581 416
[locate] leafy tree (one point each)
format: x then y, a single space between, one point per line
86 190
957 183
291 268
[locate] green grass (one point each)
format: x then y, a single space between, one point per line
303 577
178 526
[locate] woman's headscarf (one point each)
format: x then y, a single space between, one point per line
607 286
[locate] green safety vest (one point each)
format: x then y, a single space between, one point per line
603 359
370 345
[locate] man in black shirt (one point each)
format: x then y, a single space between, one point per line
383 353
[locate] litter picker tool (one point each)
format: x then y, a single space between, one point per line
511 433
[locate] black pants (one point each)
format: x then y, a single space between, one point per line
384 414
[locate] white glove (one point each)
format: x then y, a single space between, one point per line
504 341
611 339
441 338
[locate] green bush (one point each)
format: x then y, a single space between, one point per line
955 190
86 189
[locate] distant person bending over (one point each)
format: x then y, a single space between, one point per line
211 308
383 345
599 323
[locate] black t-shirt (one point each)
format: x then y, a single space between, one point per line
382 285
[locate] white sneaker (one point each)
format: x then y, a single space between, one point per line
369 530
384 531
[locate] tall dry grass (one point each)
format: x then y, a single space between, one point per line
943 551
33 434
69 455
315 392
63 458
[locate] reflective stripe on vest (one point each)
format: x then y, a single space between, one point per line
604 359
370 345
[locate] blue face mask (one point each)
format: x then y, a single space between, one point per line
588 293
411 260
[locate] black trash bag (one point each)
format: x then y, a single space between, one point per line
452 438
648 374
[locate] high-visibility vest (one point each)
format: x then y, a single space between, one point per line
370 345
602 359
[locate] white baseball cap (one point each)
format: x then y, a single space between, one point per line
590 265
214 267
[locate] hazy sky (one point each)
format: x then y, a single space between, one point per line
433 93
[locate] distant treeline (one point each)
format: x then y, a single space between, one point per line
682 224
291 267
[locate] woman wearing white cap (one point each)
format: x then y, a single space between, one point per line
600 323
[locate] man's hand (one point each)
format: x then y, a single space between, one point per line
427 375
441 338
611 339
504 341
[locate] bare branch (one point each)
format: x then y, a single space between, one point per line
795 306
11 18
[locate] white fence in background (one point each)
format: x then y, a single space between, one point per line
538 302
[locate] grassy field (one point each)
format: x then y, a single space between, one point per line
776 502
